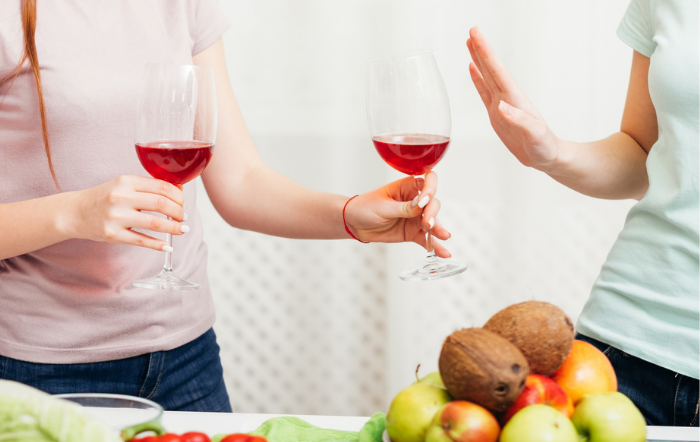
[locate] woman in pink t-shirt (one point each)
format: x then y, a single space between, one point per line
72 190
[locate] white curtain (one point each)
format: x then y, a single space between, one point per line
314 327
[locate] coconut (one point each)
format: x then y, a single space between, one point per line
540 330
482 367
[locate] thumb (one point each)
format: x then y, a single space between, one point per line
398 209
521 119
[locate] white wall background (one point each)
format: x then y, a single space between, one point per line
311 327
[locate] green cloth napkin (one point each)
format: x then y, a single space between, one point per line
373 429
293 429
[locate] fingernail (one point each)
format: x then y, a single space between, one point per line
167 249
424 201
431 222
184 228
184 217
415 201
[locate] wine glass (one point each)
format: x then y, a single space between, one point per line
175 133
409 119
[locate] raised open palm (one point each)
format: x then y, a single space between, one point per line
515 120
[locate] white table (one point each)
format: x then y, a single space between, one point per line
215 423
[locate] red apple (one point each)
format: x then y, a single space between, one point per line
586 370
541 390
463 421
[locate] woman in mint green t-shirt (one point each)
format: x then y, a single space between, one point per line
643 308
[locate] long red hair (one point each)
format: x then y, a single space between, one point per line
29 29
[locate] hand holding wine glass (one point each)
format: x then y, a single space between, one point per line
175 133
391 213
409 119
110 211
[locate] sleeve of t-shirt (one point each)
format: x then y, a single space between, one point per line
207 24
636 28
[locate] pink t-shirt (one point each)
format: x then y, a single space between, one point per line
73 302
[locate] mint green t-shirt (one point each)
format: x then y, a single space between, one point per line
645 300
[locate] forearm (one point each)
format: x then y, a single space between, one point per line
110 212
249 195
267 202
30 225
612 168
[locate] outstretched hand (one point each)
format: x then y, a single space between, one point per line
515 120
400 211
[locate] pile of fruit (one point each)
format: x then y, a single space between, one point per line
520 378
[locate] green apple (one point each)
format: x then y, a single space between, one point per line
433 378
539 423
609 417
412 410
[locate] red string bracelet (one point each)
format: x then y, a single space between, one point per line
346 224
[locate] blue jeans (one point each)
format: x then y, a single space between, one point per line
187 378
663 396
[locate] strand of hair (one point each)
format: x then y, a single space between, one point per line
29 28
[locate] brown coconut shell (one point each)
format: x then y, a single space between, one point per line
482 367
541 331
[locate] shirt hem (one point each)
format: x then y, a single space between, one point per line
42 355
212 36
636 351
635 43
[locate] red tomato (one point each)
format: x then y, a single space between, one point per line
147 439
169 437
237 437
194 437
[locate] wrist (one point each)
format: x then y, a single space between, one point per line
348 228
65 221
562 159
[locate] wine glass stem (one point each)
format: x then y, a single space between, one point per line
430 257
168 266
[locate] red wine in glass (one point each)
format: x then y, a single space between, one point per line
412 154
176 123
176 162
408 113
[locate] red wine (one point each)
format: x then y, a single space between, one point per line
176 162
412 154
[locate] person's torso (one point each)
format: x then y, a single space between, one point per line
647 294
73 301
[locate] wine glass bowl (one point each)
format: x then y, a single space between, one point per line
412 154
408 113
176 162
176 125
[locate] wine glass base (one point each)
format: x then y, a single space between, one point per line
166 280
434 270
